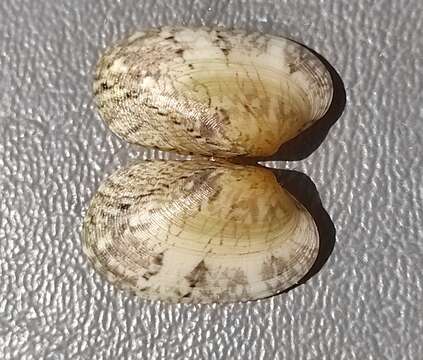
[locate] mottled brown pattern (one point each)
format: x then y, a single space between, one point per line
149 91
204 231
146 230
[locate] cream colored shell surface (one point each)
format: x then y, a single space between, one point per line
199 231
210 91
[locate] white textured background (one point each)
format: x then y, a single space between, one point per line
366 302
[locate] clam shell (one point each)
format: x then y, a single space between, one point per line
199 231
208 91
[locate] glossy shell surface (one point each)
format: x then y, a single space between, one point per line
198 231
210 91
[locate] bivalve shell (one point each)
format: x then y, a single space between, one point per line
199 231
212 92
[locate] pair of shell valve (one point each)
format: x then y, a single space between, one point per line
204 231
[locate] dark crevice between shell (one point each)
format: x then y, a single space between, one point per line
305 191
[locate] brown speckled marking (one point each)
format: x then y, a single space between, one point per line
198 275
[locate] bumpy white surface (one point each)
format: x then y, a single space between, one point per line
366 303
